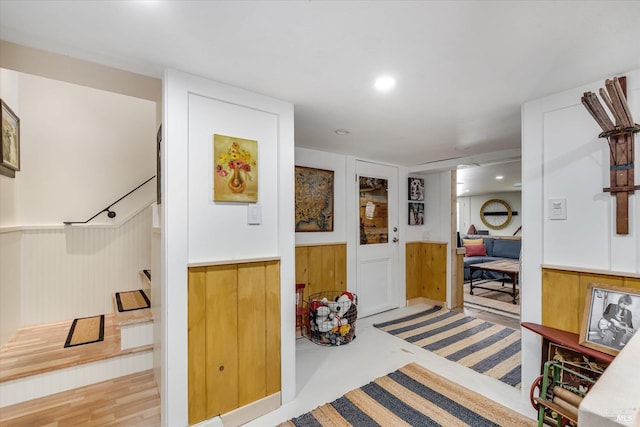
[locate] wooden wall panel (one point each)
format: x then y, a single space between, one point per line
556 310
413 270
274 368
426 270
233 336
314 267
302 265
222 357
252 350
322 267
434 271
196 345
328 266
564 293
340 252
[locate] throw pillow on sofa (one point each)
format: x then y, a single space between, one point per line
475 250
466 242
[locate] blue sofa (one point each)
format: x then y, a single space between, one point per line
496 249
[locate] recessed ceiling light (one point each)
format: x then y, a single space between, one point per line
499 177
385 83
342 132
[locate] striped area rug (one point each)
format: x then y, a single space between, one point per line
411 396
483 346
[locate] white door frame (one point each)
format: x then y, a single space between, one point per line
398 291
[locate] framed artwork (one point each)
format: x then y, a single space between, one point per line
235 174
10 147
416 213
416 189
158 163
314 199
610 319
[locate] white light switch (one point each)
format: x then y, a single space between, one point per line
254 214
557 208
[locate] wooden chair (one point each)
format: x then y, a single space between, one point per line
302 310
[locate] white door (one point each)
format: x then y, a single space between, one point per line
377 253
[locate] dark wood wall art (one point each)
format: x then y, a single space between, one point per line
620 136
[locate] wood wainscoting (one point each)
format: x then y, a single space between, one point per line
322 267
564 293
426 267
234 336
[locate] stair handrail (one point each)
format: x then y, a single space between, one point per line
110 213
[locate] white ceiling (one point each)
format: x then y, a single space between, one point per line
463 68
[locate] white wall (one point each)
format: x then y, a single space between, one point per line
197 230
564 158
10 240
469 212
74 272
82 149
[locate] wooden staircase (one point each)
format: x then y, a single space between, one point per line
41 380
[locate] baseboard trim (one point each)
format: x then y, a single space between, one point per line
251 411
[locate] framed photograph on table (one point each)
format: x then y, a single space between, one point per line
611 317
10 147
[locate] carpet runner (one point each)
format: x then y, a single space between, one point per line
481 345
411 396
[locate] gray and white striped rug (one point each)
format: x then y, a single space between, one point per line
483 346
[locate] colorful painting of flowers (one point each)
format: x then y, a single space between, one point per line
235 175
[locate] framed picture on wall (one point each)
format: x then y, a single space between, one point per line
314 199
611 317
158 166
235 174
416 189
10 147
416 213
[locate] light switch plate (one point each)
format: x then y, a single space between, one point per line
557 208
254 214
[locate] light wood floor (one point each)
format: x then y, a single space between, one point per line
132 400
40 348
495 318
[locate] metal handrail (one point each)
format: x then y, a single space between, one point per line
110 213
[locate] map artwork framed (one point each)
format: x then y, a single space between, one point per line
314 199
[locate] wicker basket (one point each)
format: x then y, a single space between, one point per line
337 328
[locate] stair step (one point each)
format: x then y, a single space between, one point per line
40 348
127 400
133 316
146 281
